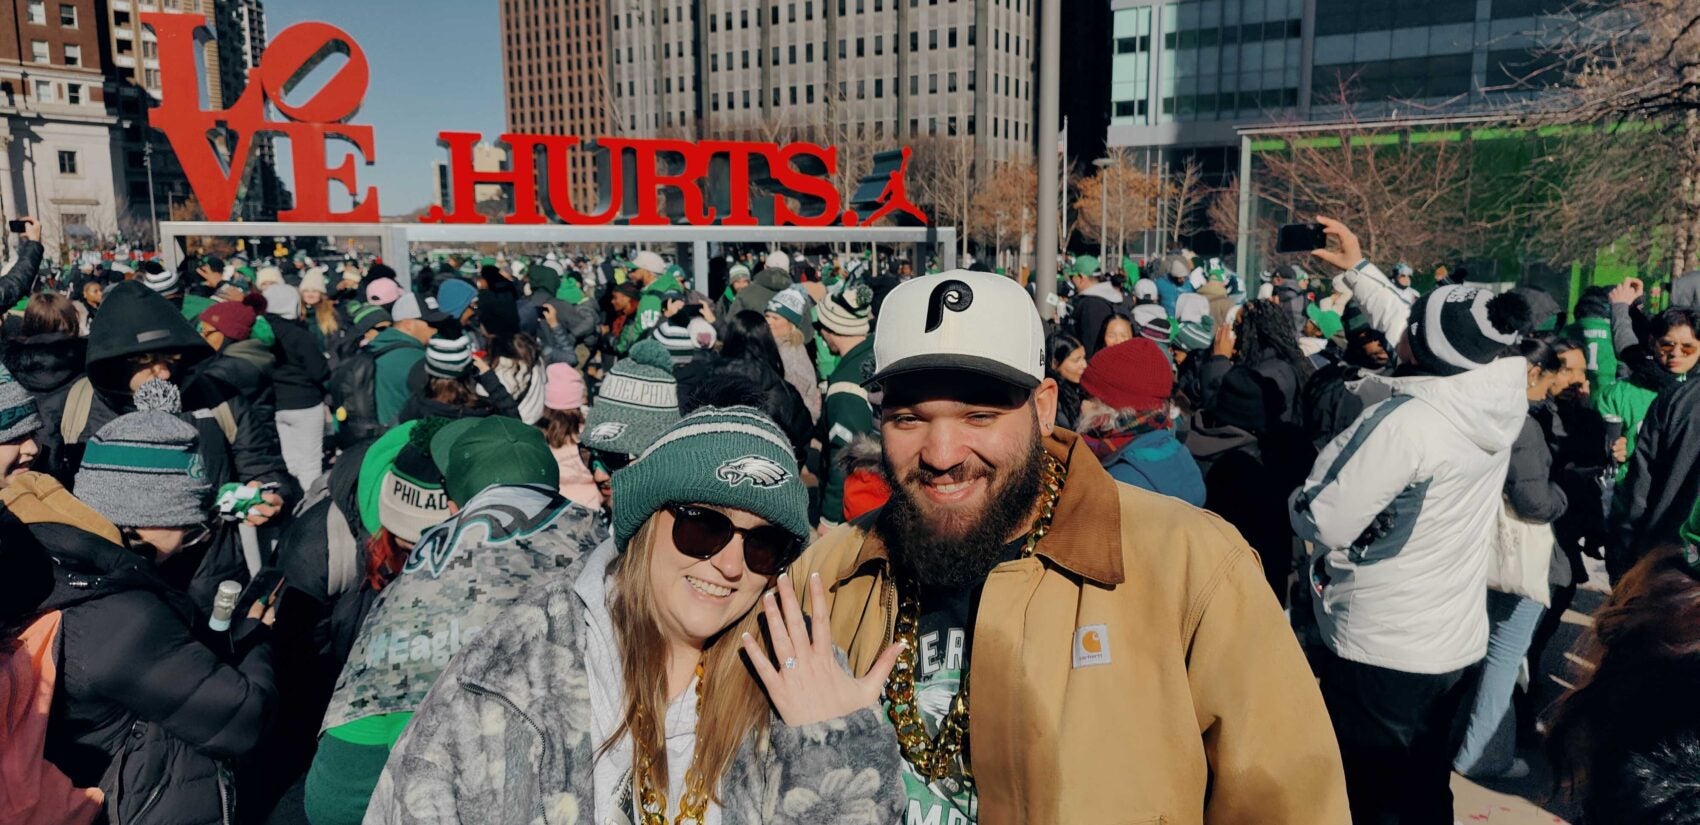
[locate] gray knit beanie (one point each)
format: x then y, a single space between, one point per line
143 469
725 456
637 402
18 417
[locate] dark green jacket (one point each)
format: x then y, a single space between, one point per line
847 414
395 372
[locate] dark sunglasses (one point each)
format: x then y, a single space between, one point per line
700 533
602 460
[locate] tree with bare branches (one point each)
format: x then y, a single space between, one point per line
1120 196
1003 207
941 177
1184 193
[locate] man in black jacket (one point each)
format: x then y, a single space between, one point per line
1663 482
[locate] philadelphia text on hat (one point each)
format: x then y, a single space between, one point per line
297 50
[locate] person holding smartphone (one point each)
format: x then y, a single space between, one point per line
19 281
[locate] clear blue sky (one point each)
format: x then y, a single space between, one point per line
436 66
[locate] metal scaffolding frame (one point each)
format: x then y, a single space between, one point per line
396 239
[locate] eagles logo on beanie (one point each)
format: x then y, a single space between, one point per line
1455 329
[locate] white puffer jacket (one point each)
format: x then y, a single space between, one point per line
1400 508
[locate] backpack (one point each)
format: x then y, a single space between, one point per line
36 792
80 400
354 400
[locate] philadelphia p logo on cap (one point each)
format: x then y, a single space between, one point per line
757 470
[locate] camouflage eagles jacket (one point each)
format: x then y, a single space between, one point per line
464 572
505 737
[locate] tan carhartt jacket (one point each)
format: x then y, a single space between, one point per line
1137 669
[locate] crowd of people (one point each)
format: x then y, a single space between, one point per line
558 538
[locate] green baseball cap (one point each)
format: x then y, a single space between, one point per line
478 453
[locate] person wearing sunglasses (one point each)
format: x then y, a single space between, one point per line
138 687
621 691
1660 408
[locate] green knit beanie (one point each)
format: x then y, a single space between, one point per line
724 456
637 402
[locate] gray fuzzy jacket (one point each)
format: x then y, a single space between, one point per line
504 737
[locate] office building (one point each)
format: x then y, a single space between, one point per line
486 157
555 76
56 133
883 71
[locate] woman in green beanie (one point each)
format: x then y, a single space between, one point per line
621 691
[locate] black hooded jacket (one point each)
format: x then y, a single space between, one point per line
301 366
1658 493
47 365
134 320
19 281
146 704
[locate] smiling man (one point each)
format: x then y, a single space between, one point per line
1129 662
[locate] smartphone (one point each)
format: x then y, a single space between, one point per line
18 226
1301 237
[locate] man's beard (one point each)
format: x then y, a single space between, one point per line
958 549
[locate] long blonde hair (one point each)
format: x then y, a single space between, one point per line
734 706
324 314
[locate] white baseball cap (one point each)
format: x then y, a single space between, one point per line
959 320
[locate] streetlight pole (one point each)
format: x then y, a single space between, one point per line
1045 267
153 211
1103 165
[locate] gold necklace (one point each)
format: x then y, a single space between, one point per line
652 803
932 756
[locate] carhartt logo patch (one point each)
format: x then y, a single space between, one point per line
758 471
1092 645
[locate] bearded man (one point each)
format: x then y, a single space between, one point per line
1129 662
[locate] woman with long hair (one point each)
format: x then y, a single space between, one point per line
749 358
517 361
788 316
328 322
1626 739
1065 362
621 691
458 384
1264 340
1534 497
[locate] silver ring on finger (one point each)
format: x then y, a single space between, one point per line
790 663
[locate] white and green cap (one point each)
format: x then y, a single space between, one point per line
635 404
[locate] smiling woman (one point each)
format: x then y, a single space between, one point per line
622 691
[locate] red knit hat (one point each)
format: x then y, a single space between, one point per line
235 320
1132 375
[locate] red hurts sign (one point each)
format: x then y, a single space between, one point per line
537 164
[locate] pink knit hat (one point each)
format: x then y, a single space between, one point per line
563 388
382 292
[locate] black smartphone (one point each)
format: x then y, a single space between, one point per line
18 226
1301 237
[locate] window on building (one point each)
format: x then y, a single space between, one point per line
809 94
914 126
879 88
713 62
776 95
879 44
951 40
44 91
841 51
791 12
743 18
933 83
914 84
38 51
914 41
808 52
67 15
809 10
793 95
933 122
74 93
776 56
791 54
971 29
933 39
38 12
67 162
746 60
951 82
861 90
861 47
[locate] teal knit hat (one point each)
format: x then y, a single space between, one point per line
637 402
724 456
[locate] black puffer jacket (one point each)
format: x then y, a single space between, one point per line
1530 487
47 365
1280 381
709 379
147 706
1658 493
301 366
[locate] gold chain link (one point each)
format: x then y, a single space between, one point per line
652 803
933 756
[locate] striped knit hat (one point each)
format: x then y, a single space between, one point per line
725 456
676 340
448 357
636 403
143 469
164 282
846 312
18 417
1455 329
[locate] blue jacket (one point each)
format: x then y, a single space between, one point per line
1168 291
1157 462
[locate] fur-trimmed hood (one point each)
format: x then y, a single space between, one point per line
45 363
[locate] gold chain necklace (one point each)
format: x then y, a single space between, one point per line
652 803
932 756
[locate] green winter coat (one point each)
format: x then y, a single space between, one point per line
1629 400
846 414
395 370
649 303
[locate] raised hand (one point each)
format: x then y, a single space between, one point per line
1350 251
804 679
